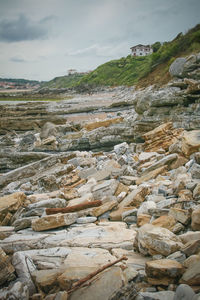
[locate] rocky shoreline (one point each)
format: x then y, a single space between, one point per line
107 208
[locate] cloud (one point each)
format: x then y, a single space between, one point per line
96 50
23 29
17 59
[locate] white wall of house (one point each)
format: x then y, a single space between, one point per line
141 51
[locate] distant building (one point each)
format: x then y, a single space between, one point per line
141 50
72 71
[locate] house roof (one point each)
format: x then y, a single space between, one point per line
140 45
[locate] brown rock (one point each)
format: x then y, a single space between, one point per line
97 211
121 188
191 247
180 215
192 275
46 279
161 137
143 219
190 142
151 175
6 269
135 198
54 221
196 219
9 205
165 222
116 215
196 192
163 271
105 123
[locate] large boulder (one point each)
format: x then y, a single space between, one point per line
157 240
185 67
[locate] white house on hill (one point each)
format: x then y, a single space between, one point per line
141 50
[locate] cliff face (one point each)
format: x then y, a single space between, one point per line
179 101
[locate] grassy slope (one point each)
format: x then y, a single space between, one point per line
67 81
145 70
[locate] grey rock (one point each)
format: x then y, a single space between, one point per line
165 295
85 220
184 292
195 171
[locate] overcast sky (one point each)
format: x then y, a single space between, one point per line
42 39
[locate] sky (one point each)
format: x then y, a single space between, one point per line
43 39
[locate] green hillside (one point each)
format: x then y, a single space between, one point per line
67 81
131 70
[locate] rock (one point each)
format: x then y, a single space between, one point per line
105 284
190 236
17 291
184 292
23 223
195 171
9 205
190 142
145 207
46 279
143 219
54 221
192 275
120 149
107 188
6 268
191 247
127 292
98 211
196 192
193 259
163 271
128 180
177 67
151 175
167 222
157 240
161 137
6 231
181 215
164 295
49 129
166 161
85 220
55 202
196 219
178 256
135 198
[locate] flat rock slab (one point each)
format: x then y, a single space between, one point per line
54 221
106 235
104 285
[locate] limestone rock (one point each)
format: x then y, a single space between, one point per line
161 137
192 275
151 175
6 268
104 285
163 271
167 222
184 292
181 215
190 142
196 219
157 240
17 291
54 221
164 295
143 219
9 205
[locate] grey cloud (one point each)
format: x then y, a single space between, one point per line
21 29
17 59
